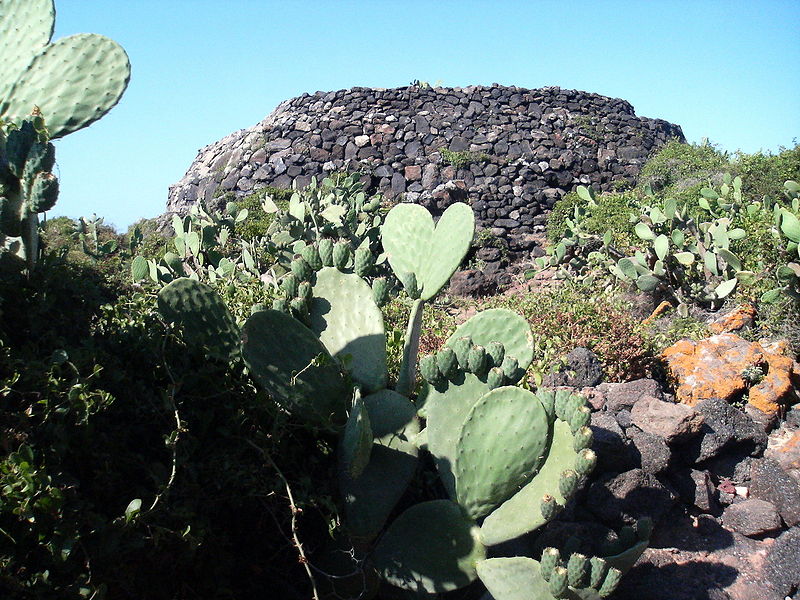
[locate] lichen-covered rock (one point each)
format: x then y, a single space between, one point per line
739 318
511 152
723 366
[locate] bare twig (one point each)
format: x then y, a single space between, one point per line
295 511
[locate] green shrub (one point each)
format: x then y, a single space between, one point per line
557 218
677 166
258 221
461 159
574 315
763 175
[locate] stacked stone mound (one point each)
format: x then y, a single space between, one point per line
521 149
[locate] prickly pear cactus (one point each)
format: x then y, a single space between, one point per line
27 187
573 576
294 367
203 316
74 82
344 315
432 253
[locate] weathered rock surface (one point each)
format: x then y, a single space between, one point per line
673 422
771 483
714 367
752 517
523 149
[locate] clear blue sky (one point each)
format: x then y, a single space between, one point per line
729 71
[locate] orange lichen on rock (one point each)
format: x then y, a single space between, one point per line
739 318
713 367
660 310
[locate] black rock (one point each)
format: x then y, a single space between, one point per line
626 497
652 451
582 369
752 517
724 425
783 562
695 488
771 483
610 445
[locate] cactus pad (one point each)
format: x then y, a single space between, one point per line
431 547
293 366
522 512
499 325
431 252
370 498
516 578
202 314
74 82
501 446
26 26
447 409
357 440
348 322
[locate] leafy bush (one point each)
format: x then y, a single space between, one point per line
258 222
576 315
764 174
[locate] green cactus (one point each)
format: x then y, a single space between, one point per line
576 578
432 547
370 497
430 252
203 316
344 315
27 187
73 82
357 440
295 368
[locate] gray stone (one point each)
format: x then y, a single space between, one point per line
582 369
624 395
651 450
695 488
752 517
673 422
610 444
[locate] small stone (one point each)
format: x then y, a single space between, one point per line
582 369
610 444
361 140
673 422
696 489
752 517
413 172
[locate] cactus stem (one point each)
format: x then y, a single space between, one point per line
406 379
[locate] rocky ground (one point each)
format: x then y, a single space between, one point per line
714 459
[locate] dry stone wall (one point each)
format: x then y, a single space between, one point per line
510 152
